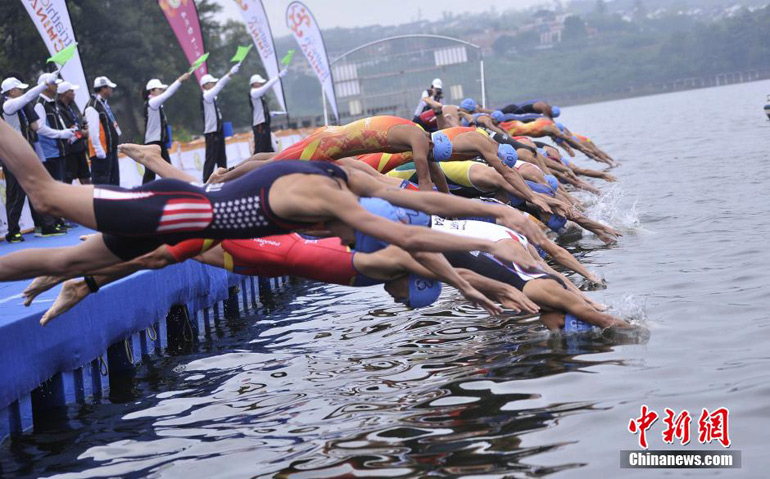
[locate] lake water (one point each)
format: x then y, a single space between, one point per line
331 382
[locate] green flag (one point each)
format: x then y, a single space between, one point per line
64 55
241 54
287 58
200 61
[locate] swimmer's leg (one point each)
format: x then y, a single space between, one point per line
89 255
149 157
74 291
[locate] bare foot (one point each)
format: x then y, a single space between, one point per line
609 177
72 292
142 154
39 285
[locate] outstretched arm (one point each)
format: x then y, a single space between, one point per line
445 205
420 152
156 101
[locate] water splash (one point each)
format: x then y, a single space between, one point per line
612 210
632 308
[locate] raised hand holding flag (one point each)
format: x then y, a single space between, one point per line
287 58
200 61
64 55
240 55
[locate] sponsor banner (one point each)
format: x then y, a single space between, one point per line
183 18
308 35
52 20
255 18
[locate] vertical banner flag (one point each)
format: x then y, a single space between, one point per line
183 18
308 36
255 18
52 20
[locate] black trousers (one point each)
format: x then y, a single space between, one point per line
76 167
105 171
14 201
149 175
114 169
215 154
263 142
55 169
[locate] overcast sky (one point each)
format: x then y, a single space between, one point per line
360 13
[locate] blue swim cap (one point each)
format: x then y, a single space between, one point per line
575 325
497 115
542 152
507 154
539 188
422 292
560 127
468 104
556 111
442 147
412 217
556 223
552 182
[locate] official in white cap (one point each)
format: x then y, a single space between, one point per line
213 130
156 130
76 153
18 111
52 135
434 92
260 113
103 134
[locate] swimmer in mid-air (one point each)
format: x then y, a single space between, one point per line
389 134
280 198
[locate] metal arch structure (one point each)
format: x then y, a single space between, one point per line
386 76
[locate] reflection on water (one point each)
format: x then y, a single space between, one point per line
343 383
318 392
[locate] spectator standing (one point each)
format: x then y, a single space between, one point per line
260 113
213 130
435 92
103 134
18 112
75 153
155 122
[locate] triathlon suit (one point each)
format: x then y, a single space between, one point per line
325 260
170 210
457 174
521 108
357 138
385 162
582 139
427 120
509 140
491 232
535 128
525 118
